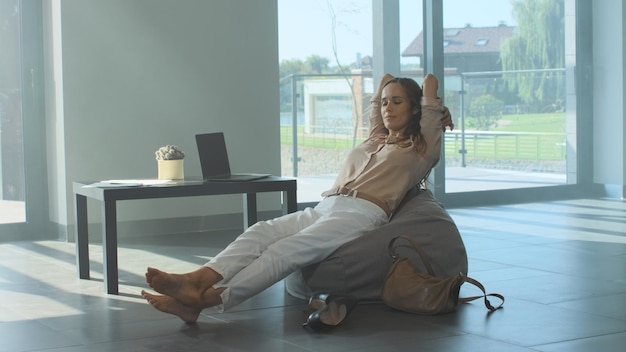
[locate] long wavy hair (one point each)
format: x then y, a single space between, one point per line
413 131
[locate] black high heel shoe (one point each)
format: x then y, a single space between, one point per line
317 301
334 312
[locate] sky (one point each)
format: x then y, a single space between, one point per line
305 26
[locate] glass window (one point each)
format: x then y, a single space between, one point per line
504 77
505 84
325 50
12 205
411 26
23 196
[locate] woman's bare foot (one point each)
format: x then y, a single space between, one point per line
187 288
163 282
170 305
179 286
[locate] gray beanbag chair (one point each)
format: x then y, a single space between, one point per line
359 267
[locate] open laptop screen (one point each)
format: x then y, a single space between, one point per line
213 155
214 159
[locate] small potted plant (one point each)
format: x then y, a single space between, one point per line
170 163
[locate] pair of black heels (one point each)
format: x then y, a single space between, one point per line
326 311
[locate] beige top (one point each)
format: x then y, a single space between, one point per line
385 168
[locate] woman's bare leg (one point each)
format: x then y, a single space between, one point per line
187 288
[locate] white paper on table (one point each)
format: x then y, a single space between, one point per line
129 183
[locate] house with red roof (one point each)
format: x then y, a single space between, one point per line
467 49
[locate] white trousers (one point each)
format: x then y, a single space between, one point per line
270 250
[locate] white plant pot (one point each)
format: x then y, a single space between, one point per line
171 169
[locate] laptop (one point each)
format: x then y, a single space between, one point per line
214 160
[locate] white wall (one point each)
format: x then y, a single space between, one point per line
140 74
609 76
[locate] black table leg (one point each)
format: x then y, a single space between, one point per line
289 198
109 249
82 237
250 216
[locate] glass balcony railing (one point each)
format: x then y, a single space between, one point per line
502 138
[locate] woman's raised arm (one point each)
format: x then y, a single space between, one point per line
376 118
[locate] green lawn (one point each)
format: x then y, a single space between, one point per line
523 147
552 123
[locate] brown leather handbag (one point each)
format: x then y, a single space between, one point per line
423 293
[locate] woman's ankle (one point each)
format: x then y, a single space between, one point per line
212 297
204 278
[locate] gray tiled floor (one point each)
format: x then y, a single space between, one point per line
561 266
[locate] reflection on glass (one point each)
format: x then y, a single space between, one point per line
11 148
505 85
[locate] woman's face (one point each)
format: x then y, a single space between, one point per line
396 108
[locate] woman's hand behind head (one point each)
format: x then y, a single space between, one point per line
430 85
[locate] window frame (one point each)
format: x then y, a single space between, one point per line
34 133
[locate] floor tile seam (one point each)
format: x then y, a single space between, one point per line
491 286
558 219
582 203
579 311
34 257
549 246
476 253
549 303
547 272
92 340
263 308
492 338
243 327
589 251
575 339
538 273
598 296
483 233
494 237
56 332
556 236
449 333
508 265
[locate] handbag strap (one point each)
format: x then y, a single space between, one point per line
393 254
484 295
429 268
